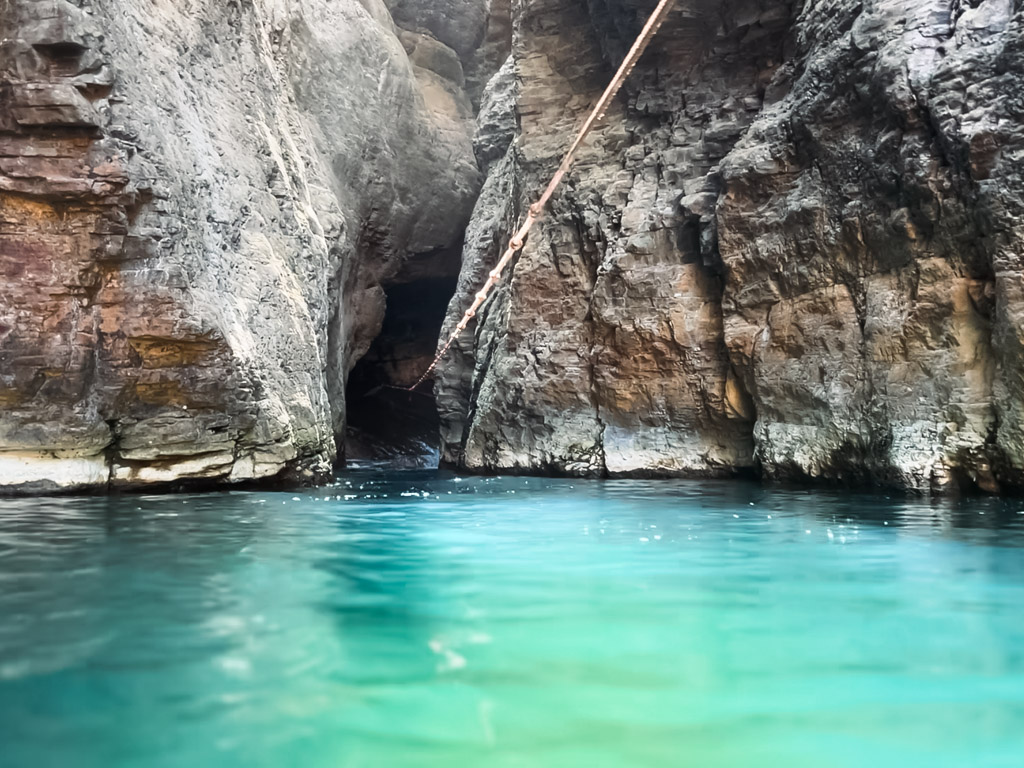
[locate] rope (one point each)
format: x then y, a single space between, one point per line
537 209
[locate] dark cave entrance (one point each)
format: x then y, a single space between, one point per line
385 423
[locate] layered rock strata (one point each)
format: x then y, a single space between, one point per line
197 212
793 247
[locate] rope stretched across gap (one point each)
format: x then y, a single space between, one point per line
537 209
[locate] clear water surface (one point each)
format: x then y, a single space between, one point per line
420 619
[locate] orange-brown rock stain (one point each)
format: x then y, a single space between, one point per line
157 352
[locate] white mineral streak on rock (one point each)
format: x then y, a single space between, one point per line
43 473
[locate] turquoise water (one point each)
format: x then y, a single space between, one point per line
417 619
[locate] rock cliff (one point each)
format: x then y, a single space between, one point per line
793 247
200 204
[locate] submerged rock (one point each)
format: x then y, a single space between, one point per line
793 246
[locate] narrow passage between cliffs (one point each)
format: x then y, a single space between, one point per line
387 423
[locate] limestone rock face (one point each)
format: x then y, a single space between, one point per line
197 208
792 247
871 302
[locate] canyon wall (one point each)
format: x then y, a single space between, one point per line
793 247
199 204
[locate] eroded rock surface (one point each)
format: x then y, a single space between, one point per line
794 247
197 212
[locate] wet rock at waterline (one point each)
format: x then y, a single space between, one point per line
794 246
198 211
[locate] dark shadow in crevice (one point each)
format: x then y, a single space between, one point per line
387 423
